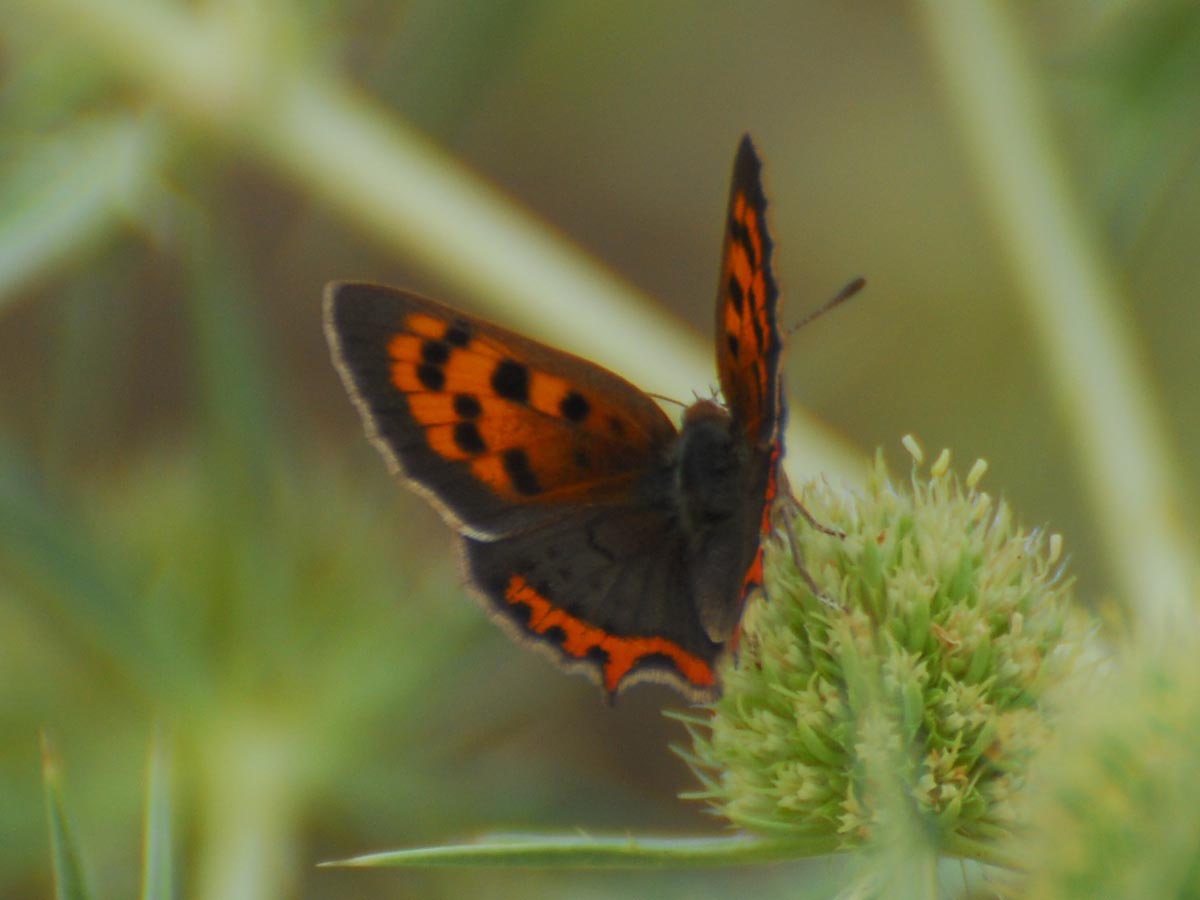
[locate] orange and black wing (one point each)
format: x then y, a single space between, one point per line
748 351
607 591
500 432
748 339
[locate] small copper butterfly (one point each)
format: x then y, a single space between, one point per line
590 525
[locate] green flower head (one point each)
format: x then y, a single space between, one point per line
915 684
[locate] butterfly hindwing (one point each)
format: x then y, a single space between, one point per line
500 431
606 591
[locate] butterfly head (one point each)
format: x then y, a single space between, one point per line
705 409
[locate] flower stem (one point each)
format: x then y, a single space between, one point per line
1073 303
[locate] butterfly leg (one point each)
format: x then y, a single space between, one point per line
821 527
788 509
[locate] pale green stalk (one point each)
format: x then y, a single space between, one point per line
91 188
1073 303
248 831
158 876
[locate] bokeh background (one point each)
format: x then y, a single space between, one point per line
194 534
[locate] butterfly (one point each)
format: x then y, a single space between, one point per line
589 524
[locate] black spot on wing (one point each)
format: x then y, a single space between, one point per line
468 439
431 377
574 406
516 466
466 406
435 352
736 297
740 233
510 380
458 335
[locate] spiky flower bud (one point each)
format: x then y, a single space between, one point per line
922 671
1113 808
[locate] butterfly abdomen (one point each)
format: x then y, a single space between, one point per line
717 502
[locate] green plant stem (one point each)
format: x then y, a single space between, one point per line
158 877
1072 301
232 69
247 833
76 209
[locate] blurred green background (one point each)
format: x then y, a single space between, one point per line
194 533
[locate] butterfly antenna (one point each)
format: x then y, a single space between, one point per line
844 294
666 399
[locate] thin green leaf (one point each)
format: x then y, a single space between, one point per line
157 870
69 883
581 851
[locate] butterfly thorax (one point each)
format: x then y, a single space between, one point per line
706 469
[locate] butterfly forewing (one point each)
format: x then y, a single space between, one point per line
501 432
749 346
748 339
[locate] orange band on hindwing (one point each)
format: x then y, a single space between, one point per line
620 655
